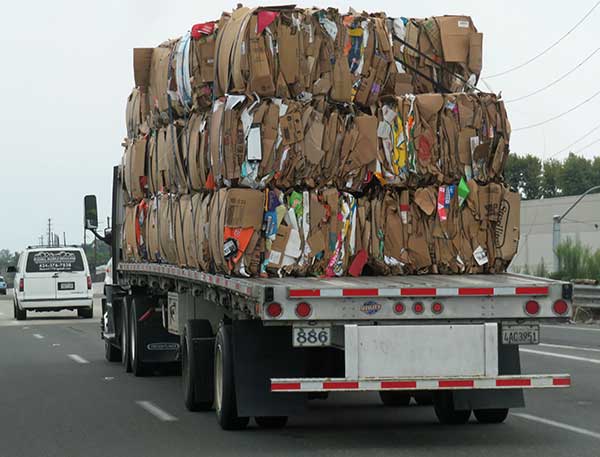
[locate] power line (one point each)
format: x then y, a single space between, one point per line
537 124
555 81
587 146
588 133
537 56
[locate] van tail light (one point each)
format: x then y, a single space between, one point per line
21 285
560 307
532 307
274 309
89 282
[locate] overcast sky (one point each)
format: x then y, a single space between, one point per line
67 70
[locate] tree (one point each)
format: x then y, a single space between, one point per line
577 175
525 174
8 259
550 178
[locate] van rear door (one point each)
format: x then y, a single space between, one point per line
55 274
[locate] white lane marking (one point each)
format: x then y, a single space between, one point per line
564 346
38 336
55 345
562 425
560 356
568 327
156 411
77 358
1 313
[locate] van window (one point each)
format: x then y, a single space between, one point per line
54 261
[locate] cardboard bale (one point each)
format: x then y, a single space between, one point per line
134 169
151 230
166 228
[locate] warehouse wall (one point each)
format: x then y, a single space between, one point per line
582 223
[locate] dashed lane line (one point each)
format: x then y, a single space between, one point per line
574 348
156 411
570 327
560 356
77 358
562 425
38 336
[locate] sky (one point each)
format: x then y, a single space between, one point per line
67 70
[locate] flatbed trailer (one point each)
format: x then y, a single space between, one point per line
264 347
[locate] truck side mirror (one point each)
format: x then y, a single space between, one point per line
90 212
11 269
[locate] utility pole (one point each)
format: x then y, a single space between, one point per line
556 220
64 239
49 232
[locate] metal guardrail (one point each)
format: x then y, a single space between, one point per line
586 296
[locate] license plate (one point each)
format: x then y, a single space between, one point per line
66 286
520 334
311 336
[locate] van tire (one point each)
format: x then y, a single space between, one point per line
20 314
491 416
86 313
443 403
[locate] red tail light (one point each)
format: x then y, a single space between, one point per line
21 285
89 282
437 308
303 310
418 308
532 307
560 307
274 309
399 308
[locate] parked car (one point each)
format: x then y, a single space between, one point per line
3 286
53 279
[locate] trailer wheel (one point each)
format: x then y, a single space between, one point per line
125 354
111 352
491 416
423 398
225 398
443 404
197 367
138 367
392 398
271 422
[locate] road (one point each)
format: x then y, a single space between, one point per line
60 398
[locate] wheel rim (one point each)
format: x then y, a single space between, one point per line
218 379
132 346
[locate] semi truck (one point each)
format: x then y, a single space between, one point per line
263 348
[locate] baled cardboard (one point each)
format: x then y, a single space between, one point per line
455 34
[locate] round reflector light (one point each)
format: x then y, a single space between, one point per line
399 308
274 309
418 308
560 307
303 310
437 308
532 307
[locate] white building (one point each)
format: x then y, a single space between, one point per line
535 246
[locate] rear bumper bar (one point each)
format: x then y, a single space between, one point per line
541 381
56 304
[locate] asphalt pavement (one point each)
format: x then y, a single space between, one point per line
60 398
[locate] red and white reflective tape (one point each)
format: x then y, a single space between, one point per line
420 292
350 385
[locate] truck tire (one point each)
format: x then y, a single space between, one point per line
423 397
225 398
85 313
443 404
138 367
491 416
392 398
20 314
271 422
194 364
111 352
125 354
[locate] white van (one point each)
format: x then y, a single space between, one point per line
53 279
